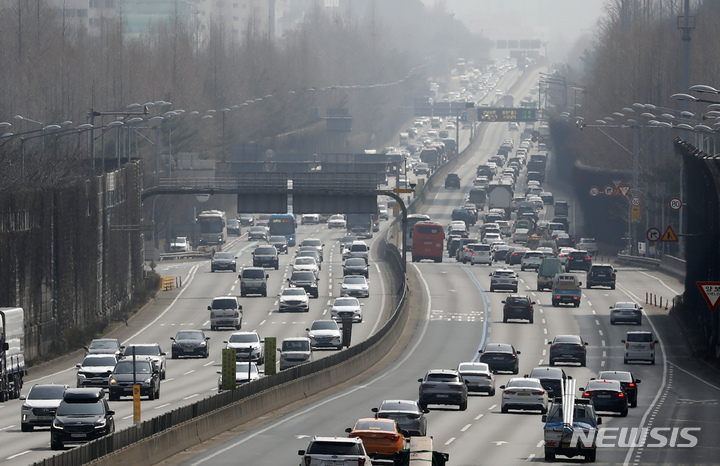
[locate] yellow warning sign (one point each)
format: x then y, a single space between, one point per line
669 235
635 213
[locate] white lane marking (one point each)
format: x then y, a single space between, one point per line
540 362
492 407
467 426
128 417
452 439
263 321
209 364
479 416
530 458
604 354
545 331
602 363
597 322
600 332
602 342
18 454
191 396
544 352
540 443
695 376
543 321
206 323
161 406
189 372
8 427
168 380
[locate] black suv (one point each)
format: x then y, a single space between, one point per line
83 415
601 275
452 180
266 256
307 280
578 260
145 374
551 378
627 381
568 348
355 266
518 307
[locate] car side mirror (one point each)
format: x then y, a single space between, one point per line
622 341
503 301
162 353
78 366
219 372
656 342
307 329
599 420
348 430
420 380
207 338
240 276
502 387
586 343
209 308
86 348
301 452
592 378
225 341
518 352
570 377
172 338
110 412
581 389
579 283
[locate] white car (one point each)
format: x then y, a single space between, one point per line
243 374
563 253
95 370
531 260
478 377
40 404
383 212
355 285
335 451
325 334
247 345
180 244
481 253
294 299
308 219
306 264
589 245
337 221
520 235
347 306
524 393
547 250
294 351
640 346
491 238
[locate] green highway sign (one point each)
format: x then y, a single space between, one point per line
507 114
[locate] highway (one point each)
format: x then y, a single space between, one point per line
456 315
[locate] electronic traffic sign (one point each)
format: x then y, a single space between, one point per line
507 114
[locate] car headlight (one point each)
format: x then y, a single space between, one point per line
202 343
80 375
58 425
26 407
101 424
112 381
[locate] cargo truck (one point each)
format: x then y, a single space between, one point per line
566 290
500 196
12 352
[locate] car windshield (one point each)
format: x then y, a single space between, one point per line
81 409
312 242
149 350
223 256
640 337
399 406
523 382
126 367
603 385
257 230
324 325
375 424
567 339
224 303
296 345
104 344
354 280
346 302
269 250
503 273
293 292
242 368
337 217
621 376
473 367
304 276
348 239
243 338
46 392
253 273
335 448
441 377
517 300
189 335
305 261
498 349
104 361
355 262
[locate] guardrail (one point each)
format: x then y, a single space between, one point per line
156 439
668 264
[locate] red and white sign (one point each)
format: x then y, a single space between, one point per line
675 203
635 201
609 190
711 293
623 190
594 191
653 234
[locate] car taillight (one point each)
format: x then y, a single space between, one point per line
361 461
538 392
308 461
631 385
586 395
473 253
413 416
587 258
394 437
509 392
555 347
627 345
652 345
621 395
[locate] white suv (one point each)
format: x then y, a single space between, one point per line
640 346
247 345
481 254
335 451
531 260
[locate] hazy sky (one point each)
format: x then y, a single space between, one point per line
559 22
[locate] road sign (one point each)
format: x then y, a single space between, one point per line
402 190
609 190
675 203
616 183
635 211
202 197
653 234
711 293
624 190
669 235
136 403
594 191
635 201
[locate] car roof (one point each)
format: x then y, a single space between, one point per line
83 395
498 347
547 372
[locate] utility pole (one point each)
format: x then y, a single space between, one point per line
686 24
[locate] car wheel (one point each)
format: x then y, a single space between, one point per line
515 290
625 360
633 404
504 320
639 321
261 361
264 293
531 319
590 457
549 456
491 392
242 294
339 347
213 328
552 362
612 287
652 361
588 286
422 405
554 303
55 445
162 375
207 353
522 269
543 410
582 363
492 289
503 409
212 269
174 355
26 427
277 266
539 288
612 322
238 326
463 405
113 397
577 304
624 413
516 370
151 395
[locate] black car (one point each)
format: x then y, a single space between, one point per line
568 348
105 346
307 280
190 343
355 266
223 261
601 275
266 256
83 415
578 260
258 233
280 243
551 378
452 245
233 227
246 219
144 373
628 382
518 307
515 255
500 357
452 180
606 395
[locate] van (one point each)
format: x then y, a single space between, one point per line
640 346
225 311
253 280
481 254
549 267
404 139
